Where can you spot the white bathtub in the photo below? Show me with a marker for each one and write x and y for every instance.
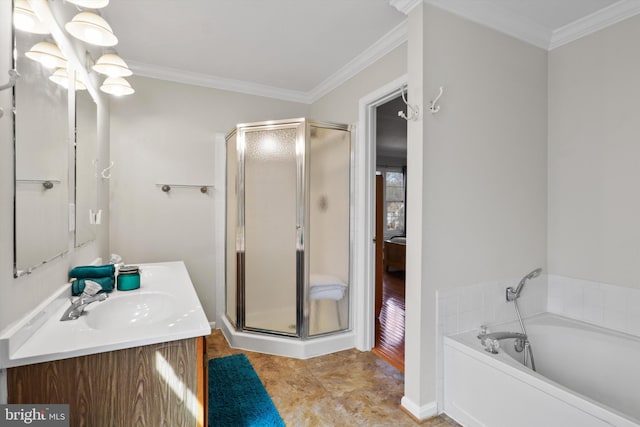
(586, 376)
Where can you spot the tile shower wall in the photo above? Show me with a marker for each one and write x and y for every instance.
(609, 306)
(466, 308)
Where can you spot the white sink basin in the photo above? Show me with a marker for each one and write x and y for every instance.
(132, 310)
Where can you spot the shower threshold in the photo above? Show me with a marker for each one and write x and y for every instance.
(286, 346)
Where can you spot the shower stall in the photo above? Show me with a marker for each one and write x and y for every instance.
(288, 236)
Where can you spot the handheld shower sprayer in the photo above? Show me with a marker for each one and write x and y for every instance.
(512, 294)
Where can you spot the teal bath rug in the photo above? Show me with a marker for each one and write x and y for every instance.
(237, 397)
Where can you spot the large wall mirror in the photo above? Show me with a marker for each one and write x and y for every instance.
(86, 167)
(41, 143)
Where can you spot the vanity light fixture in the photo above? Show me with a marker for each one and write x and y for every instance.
(90, 4)
(110, 64)
(48, 54)
(116, 86)
(91, 28)
(25, 19)
(61, 77)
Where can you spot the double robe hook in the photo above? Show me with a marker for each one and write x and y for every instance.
(413, 111)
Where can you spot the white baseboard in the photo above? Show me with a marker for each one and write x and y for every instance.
(419, 412)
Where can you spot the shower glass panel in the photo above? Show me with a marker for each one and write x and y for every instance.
(329, 234)
(271, 189)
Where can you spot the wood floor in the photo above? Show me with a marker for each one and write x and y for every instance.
(390, 324)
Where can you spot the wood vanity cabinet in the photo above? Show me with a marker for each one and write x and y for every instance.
(153, 385)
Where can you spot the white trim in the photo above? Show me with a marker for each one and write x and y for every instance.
(219, 230)
(420, 412)
(597, 21)
(364, 261)
(373, 53)
(205, 80)
(405, 6)
(493, 16)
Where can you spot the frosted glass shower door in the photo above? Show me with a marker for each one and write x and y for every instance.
(271, 233)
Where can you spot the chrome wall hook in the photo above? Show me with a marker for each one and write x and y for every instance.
(433, 107)
(413, 111)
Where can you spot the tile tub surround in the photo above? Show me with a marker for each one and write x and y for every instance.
(41, 336)
(601, 304)
(466, 308)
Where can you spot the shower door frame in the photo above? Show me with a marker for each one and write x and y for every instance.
(302, 131)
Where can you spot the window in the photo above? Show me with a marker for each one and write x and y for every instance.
(394, 201)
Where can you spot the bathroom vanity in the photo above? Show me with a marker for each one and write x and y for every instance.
(136, 358)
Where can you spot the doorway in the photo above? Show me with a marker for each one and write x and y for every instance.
(390, 231)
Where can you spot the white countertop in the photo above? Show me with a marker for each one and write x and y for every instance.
(165, 308)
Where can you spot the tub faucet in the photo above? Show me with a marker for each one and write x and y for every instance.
(89, 295)
(498, 336)
(491, 341)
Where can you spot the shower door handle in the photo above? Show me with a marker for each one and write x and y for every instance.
(299, 237)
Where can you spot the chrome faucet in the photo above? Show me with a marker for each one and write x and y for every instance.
(89, 295)
(490, 340)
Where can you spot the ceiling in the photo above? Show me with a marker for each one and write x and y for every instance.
(301, 49)
(291, 45)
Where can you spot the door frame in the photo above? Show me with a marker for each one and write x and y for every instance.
(364, 248)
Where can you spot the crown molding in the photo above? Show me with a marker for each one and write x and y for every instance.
(493, 16)
(405, 6)
(597, 21)
(383, 46)
(373, 53)
(222, 83)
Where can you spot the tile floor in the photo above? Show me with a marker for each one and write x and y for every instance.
(349, 388)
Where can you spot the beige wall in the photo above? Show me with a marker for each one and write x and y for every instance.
(484, 170)
(166, 132)
(341, 104)
(594, 156)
